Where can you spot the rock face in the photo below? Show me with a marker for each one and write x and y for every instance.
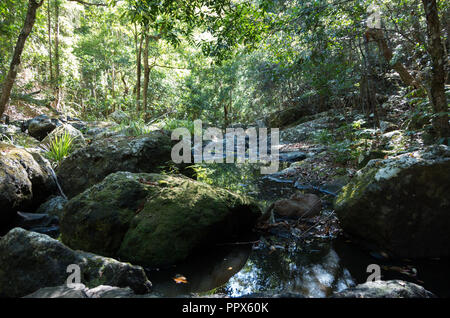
(385, 289)
(401, 204)
(41, 126)
(25, 181)
(30, 261)
(152, 219)
(76, 135)
(89, 165)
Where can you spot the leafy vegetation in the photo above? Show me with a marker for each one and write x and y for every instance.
(58, 147)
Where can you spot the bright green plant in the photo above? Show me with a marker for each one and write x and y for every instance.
(59, 147)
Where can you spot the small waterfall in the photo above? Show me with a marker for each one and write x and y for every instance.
(55, 178)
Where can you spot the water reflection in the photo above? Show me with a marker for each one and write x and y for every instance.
(314, 273)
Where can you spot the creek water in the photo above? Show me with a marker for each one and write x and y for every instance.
(314, 268)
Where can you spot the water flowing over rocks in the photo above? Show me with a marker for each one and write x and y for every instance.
(91, 164)
(401, 204)
(152, 219)
(30, 261)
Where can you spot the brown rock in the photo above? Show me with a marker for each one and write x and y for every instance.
(298, 205)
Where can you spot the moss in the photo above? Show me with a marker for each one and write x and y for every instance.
(152, 219)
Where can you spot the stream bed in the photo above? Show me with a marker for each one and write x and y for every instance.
(312, 267)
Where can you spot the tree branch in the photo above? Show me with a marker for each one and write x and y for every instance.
(89, 3)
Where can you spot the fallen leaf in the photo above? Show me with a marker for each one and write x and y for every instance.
(180, 279)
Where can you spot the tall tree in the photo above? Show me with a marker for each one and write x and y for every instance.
(437, 85)
(30, 19)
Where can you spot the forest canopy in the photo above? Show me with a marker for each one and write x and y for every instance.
(228, 60)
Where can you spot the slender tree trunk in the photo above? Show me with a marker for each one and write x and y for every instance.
(378, 36)
(438, 58)
(146, 73)
(49, 31)
(57, 59)
(138, 67)
(30, 18)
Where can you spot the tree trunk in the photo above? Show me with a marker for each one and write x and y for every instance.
(146, 73)
(138, 68)
(57, 60)
(30, 18)
(378, 36)
(49, 31)
(436, 51)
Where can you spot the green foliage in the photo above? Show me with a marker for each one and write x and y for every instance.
(59, 147)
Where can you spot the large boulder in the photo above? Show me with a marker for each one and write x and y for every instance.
(153, 219)
(41, 126)
(385, 289)
(78, 140)
(401, 204)
(30, 261)
(26, 180)
(89, 165)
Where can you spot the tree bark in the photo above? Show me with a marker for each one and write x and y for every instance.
(49, 31)
(146, 73)
(138, 68)
(378, 36)
(438, 58)
(57, 60)
(30, 18)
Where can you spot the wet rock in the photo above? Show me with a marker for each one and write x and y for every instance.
(30, 261)
(78, 140)
(62, 291)
(41, 126)
(26, 181)
(81, 291)
(89, 165)
(385, 289)
(401, 204)
(152, 219)
(32, 220)
(299, 205)
(53, 207)
(292, 156)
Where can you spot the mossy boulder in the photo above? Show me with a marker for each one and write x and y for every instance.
(30, 261)
(154, 219)
(26, 180)
(401, 204)
(89, 165)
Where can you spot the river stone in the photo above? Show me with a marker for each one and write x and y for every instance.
(401, 204)
(385, 289)
(81, 291)
(89, 165)
(26, 180)
(153, 219)
(78, 140)
(53, 207)
(41, 126)
(30, 261)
